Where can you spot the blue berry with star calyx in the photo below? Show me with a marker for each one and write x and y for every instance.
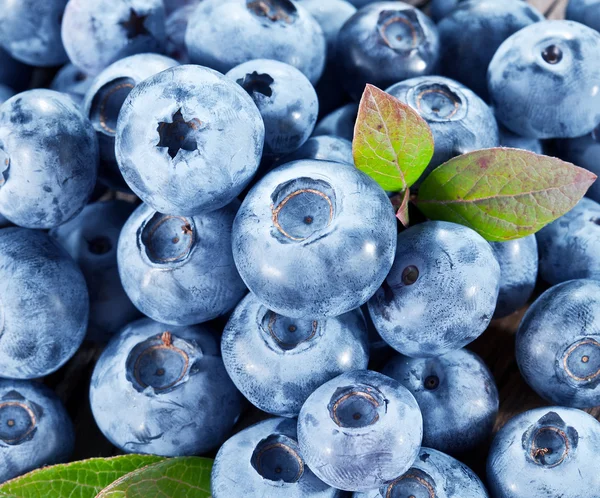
(188, 140)
(98, 33)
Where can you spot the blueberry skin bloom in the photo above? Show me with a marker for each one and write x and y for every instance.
(188, 140)
(35, 429)
(44, 304)
(518, 261)
(48, 159)
(360, 431)
(323, 148)
(265, 460)
(104, 99)
(457, 396)
(30, 31)
(179, 270)
(514, 141)
(277, 362)
(584, 11)
(434, 259)
(98, 33)
(307, 245)
(164, 391)
(558, 344)
(386, 42)
(339, 123)
(224, 33)
(549, 58)
(433, 474)
(546, 452)
(91, 239)
(459, 120)
(584, 152)
(490, 23)
(570, 246)
(285, 98)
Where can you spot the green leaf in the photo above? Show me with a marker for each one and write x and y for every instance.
(84, 479)
(392, 143)
(173, 478)
(502, 193)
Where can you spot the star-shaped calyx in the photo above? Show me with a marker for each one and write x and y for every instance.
(135, 25)
(179, 134)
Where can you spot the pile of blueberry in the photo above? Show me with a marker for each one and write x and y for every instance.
(231, 210)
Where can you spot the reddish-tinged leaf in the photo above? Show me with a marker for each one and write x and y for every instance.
(392, 143)
(502, 193)
(400, 203)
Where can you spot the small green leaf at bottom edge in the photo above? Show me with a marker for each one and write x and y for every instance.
(502, 193)
(81, 479)
(187, 477)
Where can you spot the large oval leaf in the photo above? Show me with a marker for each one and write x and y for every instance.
(503, 193)
(83, 479)
(392, 143)
(173, 478)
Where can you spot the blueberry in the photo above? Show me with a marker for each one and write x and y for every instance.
(104, 99)
(277, 362)
(224, 33)
(457, 397)
(35, 429)
(360, 431)
(4, 222)
(307, 245)
(179, 270)
(386, 42)
(44, 127)
(175, 27)
(285, 98)
(98, 33)
(432, 475)
(584, 11)
(558, 344)
(188, 140)
(30, 30)
(164, 390)
(584, 151)
(518, 261)
(44, 304)
(323, 148)
(331, 16)
(546, 452)
(265, 460)
(91, 239)
(570, 246)
(543, 80)
(435, 259)
(72, 81)
(441, 8)
(514, 141)
(489, 22)
(460, 121)
(339, 123)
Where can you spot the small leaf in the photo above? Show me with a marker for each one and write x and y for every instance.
(392, 143)
(503, 193)
(84, 479)
(173, 478)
